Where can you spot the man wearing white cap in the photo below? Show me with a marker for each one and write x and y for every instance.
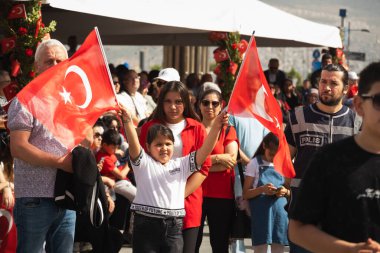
(165, 75)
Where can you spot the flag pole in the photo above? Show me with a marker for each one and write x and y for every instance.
(108, 69)
(237, 77)
(105, 60)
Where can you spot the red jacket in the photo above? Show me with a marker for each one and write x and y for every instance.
(193, 137)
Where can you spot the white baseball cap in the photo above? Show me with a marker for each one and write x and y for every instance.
(168, 74)
(314, 91)
(352, 75)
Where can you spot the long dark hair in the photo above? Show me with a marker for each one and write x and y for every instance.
(203, 95)
(271, 141)
(174, 86)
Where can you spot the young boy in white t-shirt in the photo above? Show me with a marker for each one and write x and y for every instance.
(159, 202)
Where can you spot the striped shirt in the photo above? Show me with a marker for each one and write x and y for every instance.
(309, 129)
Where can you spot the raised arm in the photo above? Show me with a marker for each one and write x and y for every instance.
(211, 138)
(130, 131)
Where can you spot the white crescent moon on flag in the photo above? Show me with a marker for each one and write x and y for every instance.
(11, 44)
(77, 70)
(259, 105)
(8, 216)
(18, 10)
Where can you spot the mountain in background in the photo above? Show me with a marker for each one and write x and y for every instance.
(361, 15)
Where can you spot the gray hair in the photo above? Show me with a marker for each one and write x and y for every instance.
(48, 43)
(210, 86)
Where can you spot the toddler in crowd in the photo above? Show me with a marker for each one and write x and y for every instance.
(111, 167)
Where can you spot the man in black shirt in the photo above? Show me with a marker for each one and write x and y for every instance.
(338, 204)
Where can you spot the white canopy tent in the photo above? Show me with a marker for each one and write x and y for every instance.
(184, 22)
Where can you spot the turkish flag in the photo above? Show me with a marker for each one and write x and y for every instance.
(17, 11)
(8, 233)
(7, 44)
(10, 91)
(69, 97)
(252, 97)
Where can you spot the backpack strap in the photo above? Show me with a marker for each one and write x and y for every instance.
(241, 172)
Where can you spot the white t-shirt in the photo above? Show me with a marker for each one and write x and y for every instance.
(252, 170)
(161, 188)
(136, 104)
(177, 130)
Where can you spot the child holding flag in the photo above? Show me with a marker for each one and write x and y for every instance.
(159, 204)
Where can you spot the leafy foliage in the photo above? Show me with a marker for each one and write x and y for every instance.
(27, 32)
(228, 57)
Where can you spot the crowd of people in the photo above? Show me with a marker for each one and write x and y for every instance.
(169, 164)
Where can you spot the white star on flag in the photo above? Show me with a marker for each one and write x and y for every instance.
(65, 95)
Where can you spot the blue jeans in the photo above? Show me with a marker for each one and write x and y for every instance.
(39, 220)
(157, 234)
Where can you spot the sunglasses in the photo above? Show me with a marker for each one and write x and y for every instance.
(160, 83)
(375, 100)
(97, 135)
(207, 103)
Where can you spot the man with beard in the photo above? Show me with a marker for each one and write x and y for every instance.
(337, 208)
(327, 121)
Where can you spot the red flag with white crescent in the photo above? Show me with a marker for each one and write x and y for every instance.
(8, 233)
(17, 11)
(7, 44)
(252, 97)
(69, 97)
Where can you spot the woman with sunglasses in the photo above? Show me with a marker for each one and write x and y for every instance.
(175, 111)
(218, 194)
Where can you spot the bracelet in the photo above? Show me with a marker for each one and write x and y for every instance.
(216, 159)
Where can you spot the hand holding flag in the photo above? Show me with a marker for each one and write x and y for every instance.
(69, 97)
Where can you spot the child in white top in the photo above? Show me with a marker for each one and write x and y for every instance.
(161, 181)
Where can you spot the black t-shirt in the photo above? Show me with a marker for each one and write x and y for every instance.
(340, 192)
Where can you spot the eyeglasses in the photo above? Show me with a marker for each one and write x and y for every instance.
(207, 103)
(97, 135)
(159, 83)
(115, 82)
(375, 100)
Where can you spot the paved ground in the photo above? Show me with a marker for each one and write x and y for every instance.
(205, 247)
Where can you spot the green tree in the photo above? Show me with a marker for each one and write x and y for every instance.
(295, 75)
